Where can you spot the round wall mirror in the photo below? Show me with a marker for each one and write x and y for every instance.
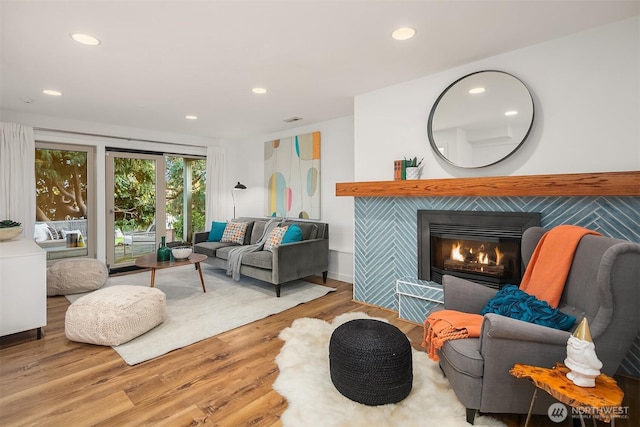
(480, 119)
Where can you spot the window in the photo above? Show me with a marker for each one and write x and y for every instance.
(65, 200)
(185, 196)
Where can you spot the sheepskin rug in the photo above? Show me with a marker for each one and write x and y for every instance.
(305, 382)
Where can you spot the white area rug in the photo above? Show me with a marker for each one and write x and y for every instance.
(313, 400)
(193, 315)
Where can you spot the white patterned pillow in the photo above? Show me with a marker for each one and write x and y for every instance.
(234, 232)
(275, 238)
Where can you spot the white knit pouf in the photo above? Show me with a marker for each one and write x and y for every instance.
(115, 315)
(73, 276)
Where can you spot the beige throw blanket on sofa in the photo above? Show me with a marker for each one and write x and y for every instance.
(235, 255)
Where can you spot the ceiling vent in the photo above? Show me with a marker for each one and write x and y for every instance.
(292, 119)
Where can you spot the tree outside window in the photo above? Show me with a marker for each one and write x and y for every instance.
(61, 185)
(175, 196)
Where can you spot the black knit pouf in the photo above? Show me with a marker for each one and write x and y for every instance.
(370, 362)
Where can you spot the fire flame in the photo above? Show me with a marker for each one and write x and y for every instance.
(481, 258)
(499, 256)
(455, 252)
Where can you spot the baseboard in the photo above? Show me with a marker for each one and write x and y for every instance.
(340, 277)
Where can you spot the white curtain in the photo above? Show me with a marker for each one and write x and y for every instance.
(217, 189)
(17, 175)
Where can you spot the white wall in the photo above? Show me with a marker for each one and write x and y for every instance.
(586, 93)
(246, 164)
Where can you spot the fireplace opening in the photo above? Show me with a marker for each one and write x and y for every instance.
(483, 247)
(496, 258)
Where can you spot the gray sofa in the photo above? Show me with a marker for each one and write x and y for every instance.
(286, 263)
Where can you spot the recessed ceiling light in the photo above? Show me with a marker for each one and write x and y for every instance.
(52, 92)
(191, 117)
(85, 39)
(476, 90)
(511, 113)
(404, 33)
(259, 90)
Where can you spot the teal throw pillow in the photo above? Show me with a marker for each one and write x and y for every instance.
(217, 229)
(517, 304)
(293, 234)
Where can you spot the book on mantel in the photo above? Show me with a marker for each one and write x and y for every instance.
(399, 170)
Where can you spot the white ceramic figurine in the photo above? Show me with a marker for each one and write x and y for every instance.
(581, 358)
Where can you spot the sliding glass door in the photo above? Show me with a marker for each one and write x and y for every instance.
(185, 197)
(150, 196)
(135, 222)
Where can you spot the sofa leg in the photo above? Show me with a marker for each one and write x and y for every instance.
(278, 290)
(471, 415)
(324, 276)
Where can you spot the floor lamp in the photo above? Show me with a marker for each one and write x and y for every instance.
(236, 188)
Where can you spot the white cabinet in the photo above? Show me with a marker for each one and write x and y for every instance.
(23, 286)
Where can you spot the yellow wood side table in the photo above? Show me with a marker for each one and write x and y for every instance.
(599, 402)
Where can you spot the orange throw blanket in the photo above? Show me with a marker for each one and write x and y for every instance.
(544, 278)
(444, 325)
(551, 261)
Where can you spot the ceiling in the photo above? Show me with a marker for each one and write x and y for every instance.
(162, 60)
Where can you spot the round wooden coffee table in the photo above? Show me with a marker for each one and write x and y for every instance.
(150, 261)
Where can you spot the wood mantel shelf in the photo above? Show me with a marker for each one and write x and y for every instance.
(580, 184)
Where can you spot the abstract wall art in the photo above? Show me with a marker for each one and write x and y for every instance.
(292, 176)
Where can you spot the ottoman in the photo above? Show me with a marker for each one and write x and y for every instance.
(73, 276)
(115, 315)
(370, 362)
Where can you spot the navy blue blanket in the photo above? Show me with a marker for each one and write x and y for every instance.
(516, 304)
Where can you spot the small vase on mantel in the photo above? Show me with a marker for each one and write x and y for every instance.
(164, 253)
(412, 168)
(413, 173)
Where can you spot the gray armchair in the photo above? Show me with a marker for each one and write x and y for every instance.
(603, 285)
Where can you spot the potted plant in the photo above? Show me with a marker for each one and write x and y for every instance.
(412, 167)
(9, 229)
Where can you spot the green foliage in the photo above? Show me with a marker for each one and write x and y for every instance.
(135, 188)
(61, 184)
(7, 223)
(412, 163)
(61, 189)
(134, 193)
(197, 222)
(175, 193)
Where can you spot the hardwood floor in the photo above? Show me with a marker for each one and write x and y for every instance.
(222, 381)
